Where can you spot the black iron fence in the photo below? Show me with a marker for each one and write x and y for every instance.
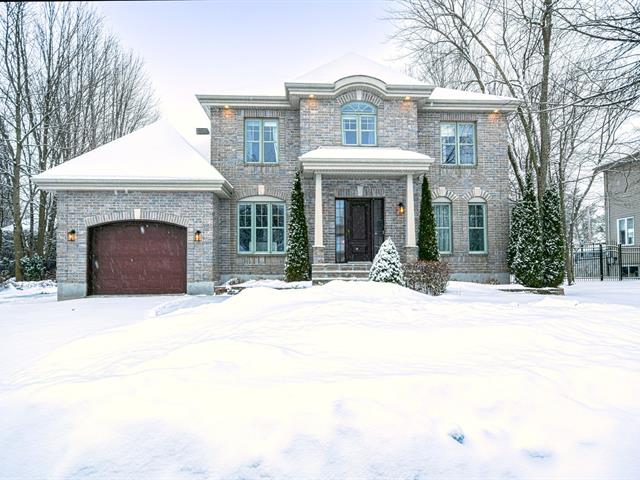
(606, 262)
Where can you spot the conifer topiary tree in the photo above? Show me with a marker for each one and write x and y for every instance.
(525, 251)
(427, 243)
(552, 237)
(297, 265)
(386, 265)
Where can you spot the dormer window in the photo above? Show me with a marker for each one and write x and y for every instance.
(358, 124)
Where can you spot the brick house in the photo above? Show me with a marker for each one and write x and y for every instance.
(142, 214)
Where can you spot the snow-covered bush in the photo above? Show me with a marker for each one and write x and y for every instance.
(427, 277)
(33, 267)
(387, 266)
(297, 266)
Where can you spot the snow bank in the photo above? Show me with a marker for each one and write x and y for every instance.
(347, 380)
(11, 288)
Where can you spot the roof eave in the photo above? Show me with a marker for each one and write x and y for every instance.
(220, 187)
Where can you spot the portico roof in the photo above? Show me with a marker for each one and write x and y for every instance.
(155, 157)
(364, 161)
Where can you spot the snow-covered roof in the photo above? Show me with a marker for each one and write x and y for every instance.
(353, 64)
(377, 161)
(353, 71)
(155, 157)
(450, 98)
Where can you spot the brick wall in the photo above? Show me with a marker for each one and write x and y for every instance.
(318, 123)
(80, 210)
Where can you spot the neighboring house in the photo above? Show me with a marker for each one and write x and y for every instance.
(147, 214)
(622, 205)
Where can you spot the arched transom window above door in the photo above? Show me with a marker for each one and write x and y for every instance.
(359, 124)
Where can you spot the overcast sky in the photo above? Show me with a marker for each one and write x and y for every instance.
(223, 46)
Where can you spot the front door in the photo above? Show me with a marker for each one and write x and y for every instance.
(359, 244)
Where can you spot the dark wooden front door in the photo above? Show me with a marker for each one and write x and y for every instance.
(137, 258)
(359, 244)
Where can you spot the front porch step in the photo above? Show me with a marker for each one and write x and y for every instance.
(353, 271)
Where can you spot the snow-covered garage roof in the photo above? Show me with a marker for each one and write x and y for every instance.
(155, 157)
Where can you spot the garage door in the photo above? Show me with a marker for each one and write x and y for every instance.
(137, 258)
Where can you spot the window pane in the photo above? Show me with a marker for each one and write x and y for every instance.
(448, 154)
(448, 133)
(350, 138)
(270, 130)
(252, 152)
(262, 239)
(358, 107)
(244, 215)
(367, 138)
(467, 155)
(277, 215)
(277, 240)
(476, 240)
(465, 133)
(444, 239)
(270, 155)
(262, 215)
(244, 240)
(367, 122)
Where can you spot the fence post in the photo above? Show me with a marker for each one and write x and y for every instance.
(620, 260)
(601, 265)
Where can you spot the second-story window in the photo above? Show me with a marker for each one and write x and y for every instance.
(261, 140)
(458, 143)
(358, 124)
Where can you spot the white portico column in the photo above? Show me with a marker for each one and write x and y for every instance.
(411, 249)
(318, 242)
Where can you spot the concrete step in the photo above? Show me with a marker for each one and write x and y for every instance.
(325, 272)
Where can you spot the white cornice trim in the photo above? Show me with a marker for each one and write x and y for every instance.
(389, 167)
(222, 188)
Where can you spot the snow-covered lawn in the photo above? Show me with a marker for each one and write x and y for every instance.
(347, 380)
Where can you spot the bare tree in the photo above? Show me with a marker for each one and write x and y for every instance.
(530, 50)
(65, 87)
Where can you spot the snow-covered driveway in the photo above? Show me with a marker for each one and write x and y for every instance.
(348, 380)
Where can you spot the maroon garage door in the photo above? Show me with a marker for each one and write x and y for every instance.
(137, 257)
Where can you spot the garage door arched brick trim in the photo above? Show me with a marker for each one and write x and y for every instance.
(136, 214)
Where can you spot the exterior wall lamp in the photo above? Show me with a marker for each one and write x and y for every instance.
(400, 209)
(71, 236)
(197, 237)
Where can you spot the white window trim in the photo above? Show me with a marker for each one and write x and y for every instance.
(457, 145)
(486, 229)
(626, 229)
(261, 141)
(358, 118)
(252, 245)
(446, 201)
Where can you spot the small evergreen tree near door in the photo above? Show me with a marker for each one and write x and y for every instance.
(297, 265)
(427, 242)
(552, 237)
(386, 265)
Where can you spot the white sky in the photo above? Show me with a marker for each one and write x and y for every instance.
(221, 46)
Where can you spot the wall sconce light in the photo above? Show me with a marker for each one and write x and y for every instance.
(197, 237)
(400, 209)
(71, 236)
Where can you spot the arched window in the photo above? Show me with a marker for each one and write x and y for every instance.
(358, 124)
